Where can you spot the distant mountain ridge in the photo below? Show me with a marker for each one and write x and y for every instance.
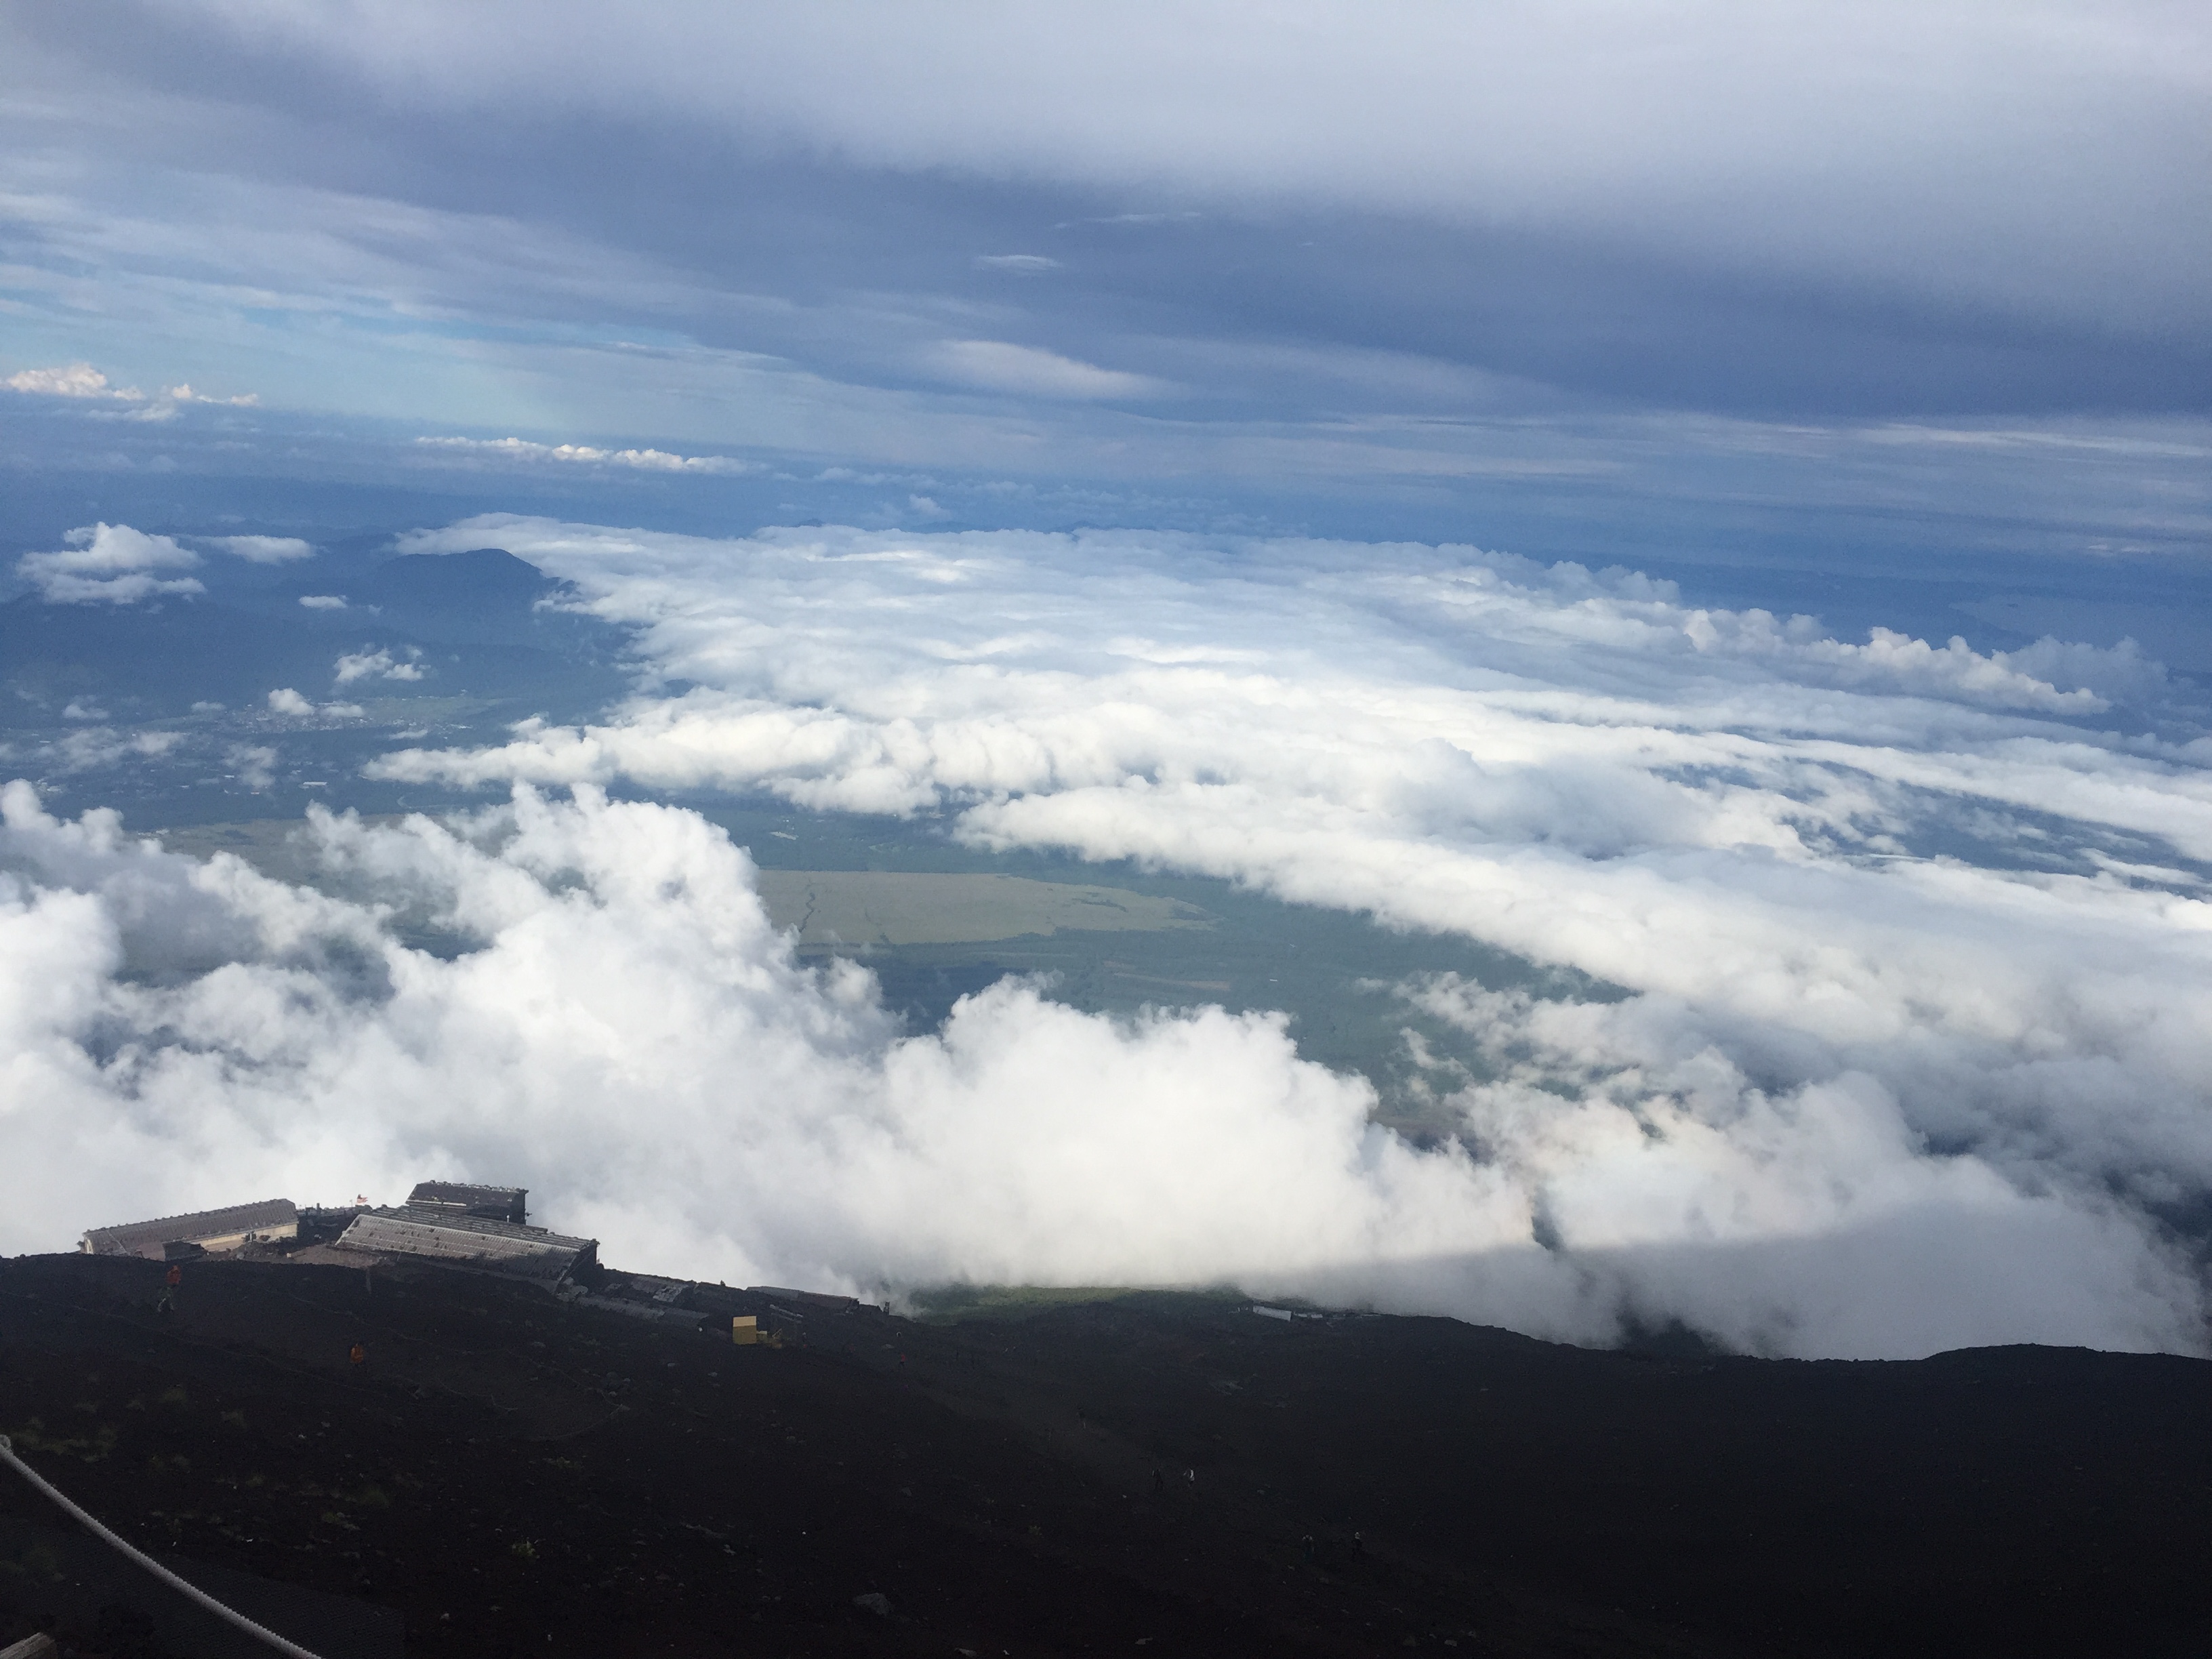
(483, 596)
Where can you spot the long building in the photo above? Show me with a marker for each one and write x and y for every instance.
(466, 1198)
(452, 1238)
(204, 1231)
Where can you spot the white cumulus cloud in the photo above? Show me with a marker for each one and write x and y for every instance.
(379, 664)
(624, 1031)
(254, 764)
(72, 380)
(82, 381)
(1914, 939)
(111, 564)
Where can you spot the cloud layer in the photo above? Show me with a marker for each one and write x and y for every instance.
(1148, 241)
(1884, 140)
(1911, 943)
(1914, 900)
(614, 1022)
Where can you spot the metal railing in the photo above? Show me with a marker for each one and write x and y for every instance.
(192, 1592)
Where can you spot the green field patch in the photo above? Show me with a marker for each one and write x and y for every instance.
(829, 909)
(947, 1304)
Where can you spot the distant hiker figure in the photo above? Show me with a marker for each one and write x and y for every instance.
(166, 1302)
(359, 1355)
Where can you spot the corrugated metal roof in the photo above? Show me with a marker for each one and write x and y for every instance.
(132, 1236)
(805, 1298)
(490, 1226)
(467, 1240)
(500, 1202)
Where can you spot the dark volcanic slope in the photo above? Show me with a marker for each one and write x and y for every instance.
(515, 1476)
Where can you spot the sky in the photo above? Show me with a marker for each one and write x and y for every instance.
(1479, 263)
(1712, 498)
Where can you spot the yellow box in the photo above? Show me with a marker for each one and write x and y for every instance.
(744, 1329)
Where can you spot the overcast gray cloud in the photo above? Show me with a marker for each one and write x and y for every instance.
(1914, 145)
(852, 231)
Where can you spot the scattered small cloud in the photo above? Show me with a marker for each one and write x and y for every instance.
(1189, 215)
(378, 665)
(92, 748)
(254, 764)
(871, 480)
(261, 549)
(82, 381)
(287, 701)
(639, 460)
(324, 601)
(109, 564)
(184, 394)
(1030, 371)
(79, 710)
(1017, 265)
(206, 708)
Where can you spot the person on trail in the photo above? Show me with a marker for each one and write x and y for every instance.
(359, 1356)
(166, 1302)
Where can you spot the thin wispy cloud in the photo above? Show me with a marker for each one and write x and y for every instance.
(1001, 366)
(263, 549)
(521, 450)
(1650, 207)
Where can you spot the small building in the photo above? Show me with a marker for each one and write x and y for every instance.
(321, 1224)
(209, 1231)
(452, 1238)
(464, 1198)
(819, 1301)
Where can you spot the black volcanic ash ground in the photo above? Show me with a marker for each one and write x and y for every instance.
(512, 1476)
